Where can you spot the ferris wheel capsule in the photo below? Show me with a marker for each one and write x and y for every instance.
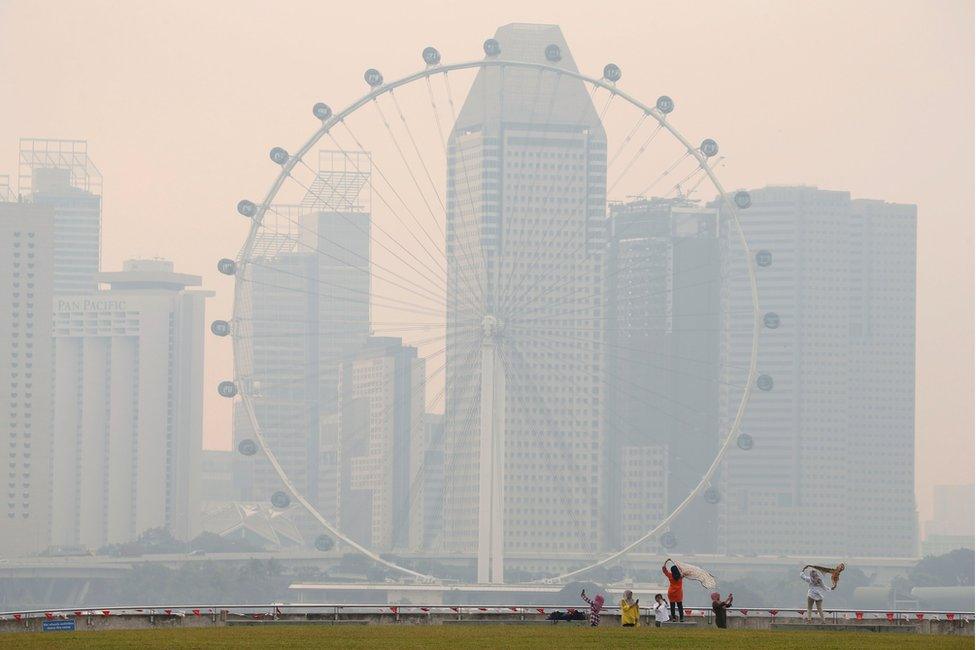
(668, 540)
(220, 327)
(492, 47)
(324, 543)
(553, 53)
(280, 500)
(712, 495)
(247, 208)
(227, 389)
(764, 258)
(665, 104)
(322, 111)
(431, 55)
(744, 442)
(742, 199)
(771, 320)
(247, 447)
(227, 266)
(279, 155)
(764, 382)
(612, 73)
(708, 147)
(373, 78)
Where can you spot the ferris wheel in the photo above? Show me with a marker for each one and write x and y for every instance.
(513, 275)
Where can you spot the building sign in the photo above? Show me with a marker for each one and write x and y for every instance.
(90, 304)
(66, 625)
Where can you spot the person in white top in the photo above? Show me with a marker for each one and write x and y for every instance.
(661, 613)
(815, 594)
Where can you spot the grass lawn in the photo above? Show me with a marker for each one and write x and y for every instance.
(488, 636)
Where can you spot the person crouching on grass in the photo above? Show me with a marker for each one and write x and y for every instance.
(596, 606)
(661, 614)
(629, 610)
(719, 607)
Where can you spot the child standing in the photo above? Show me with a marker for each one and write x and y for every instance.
(596, 606)
(675, 588)
(660, 611)
(629, 610)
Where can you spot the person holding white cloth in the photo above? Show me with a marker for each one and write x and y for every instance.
(816, 592)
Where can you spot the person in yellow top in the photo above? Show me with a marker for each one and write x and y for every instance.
(629, 610)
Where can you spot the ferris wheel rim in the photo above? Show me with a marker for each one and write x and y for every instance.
(494, 62)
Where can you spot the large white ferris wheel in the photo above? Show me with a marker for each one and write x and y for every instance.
(454, 220)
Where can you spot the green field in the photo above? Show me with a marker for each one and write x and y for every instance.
(488, 636)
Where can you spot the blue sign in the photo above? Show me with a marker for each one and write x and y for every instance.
(64, 625)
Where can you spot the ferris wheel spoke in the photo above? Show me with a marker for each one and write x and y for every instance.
(635, 157)
(369, 293)
(607, 347)
(664, 174)
(420, 157)
(367, 266)
(435, 274)
(630, 135)
(437, 260)
(602, 304)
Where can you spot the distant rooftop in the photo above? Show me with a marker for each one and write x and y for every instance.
(148, 274)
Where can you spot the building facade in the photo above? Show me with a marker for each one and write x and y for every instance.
(26, 286)
(663, 288)
(381, 451)
(128, 407)
(308, 312)
(59, 174)
(526, 203)
(835, 419)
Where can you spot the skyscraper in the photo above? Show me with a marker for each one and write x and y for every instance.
(307, 289)
(128, 407)
(381, 445)
(26, 278)
(526, 193)
(833, 419)
(663, 287)
(59, 174)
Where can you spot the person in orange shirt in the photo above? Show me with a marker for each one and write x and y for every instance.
(675, 589)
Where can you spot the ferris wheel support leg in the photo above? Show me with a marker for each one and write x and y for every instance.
(491, 495)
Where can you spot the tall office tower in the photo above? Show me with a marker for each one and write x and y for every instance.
(26, 275)
(663, 288)
(432, 483)
(59, 174)
(381, 435)
(836, 421)
(526, 189)
(952, 522)
(308, 295)
(128, 406)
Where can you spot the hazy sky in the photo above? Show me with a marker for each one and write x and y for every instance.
(180, 102)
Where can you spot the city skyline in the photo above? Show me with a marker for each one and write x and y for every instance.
(132, 217)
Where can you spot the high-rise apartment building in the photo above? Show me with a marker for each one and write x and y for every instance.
(59, 174)
(381, 452)
(128, 406)
(833, 420)
(526, 188)
(26, 279)
(663, 288)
